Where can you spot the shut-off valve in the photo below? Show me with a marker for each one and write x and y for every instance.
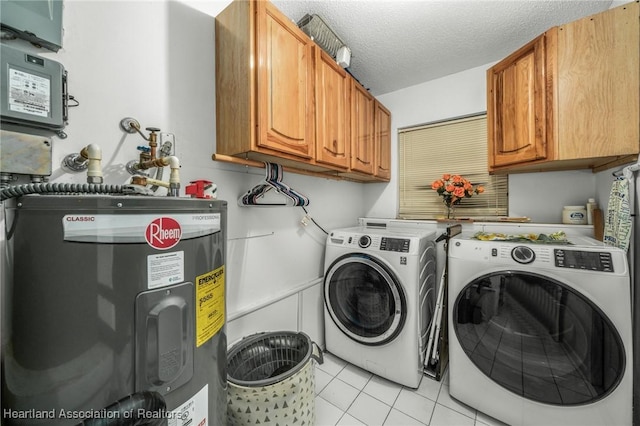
(148, 158)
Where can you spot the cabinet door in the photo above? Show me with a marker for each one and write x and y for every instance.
(362, 140)
(518, 106)
(332, 111)
(598, 85)
(382, 123)
(285, 84)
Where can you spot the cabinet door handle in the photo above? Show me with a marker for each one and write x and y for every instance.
(514, 150)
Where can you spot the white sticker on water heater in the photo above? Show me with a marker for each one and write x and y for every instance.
(194, 412)
(165, 269)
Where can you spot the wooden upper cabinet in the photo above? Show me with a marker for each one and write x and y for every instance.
(285, 84)
(599, 86)
(570, 98)
(264, 85)
(517, 105)
(382, 132)
(333, 136)
(281, 98)
(362, 130)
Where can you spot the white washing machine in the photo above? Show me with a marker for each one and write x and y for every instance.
(379, 295)
(541, 334)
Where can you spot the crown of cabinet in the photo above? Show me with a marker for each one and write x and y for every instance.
(568, 99)
(281, 98)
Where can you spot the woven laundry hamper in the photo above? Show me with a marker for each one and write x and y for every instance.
(271, 380)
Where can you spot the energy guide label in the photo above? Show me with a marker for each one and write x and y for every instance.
(209, 304)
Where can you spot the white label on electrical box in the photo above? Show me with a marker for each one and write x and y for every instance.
(165, 269)
(194, 412)
(29, 93)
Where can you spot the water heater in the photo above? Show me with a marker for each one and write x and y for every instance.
(109, 299)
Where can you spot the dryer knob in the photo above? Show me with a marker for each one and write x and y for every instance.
(364, 241)
(523, 254)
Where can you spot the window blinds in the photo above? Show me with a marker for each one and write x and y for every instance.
(456, 146)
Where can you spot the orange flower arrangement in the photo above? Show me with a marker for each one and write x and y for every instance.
(453, 188)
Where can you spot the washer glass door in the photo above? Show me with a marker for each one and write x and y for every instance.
(538, 338)
(364, 299)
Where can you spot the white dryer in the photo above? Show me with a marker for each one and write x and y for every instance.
(541, 334)
(379, 295)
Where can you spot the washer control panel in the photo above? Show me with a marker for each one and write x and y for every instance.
(589, 260)
(395, 244)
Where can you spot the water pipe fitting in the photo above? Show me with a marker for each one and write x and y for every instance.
(89, 158)
(131, 125)
(144, 181)
(75, 163)
(174, 177)
(94, 169)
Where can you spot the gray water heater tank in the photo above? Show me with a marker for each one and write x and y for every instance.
(107, 298)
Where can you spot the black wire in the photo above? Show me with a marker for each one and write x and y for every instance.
(72, 99)
(313, 220)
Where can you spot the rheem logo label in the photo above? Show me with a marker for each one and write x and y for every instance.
(163, 233)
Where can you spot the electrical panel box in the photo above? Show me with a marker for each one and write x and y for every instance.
(37, 21)
(32, 91)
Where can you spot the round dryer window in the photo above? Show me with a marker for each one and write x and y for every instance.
(365, 299)
(539, 338)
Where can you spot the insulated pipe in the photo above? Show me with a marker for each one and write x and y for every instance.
(94, 154)
(174, 177)
(174, 165)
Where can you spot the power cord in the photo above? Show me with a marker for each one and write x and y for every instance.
(305, 220)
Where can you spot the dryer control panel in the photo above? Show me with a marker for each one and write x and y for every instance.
(589, 260)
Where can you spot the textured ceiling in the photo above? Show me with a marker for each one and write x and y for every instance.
(397, 44)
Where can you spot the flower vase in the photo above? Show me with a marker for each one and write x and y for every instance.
(450, 211)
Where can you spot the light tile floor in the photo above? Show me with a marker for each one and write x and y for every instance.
(348, 395)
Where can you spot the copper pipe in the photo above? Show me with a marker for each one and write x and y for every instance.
(154, 162)
(153, 144)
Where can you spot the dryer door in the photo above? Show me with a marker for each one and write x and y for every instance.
(365, 299)
(539, 338)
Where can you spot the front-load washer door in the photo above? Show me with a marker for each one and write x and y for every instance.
(538, 338)
(364, 299)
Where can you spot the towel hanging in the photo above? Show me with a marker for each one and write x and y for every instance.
(618, 221)
(273, 180)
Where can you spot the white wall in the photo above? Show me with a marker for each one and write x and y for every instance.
(539, 196)
(155, 61)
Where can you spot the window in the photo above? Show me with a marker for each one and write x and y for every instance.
(457, 146)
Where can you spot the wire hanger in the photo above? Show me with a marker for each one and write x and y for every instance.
(273, 180)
